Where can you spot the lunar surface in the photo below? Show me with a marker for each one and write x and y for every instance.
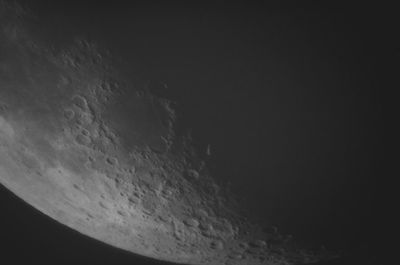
(90, 146)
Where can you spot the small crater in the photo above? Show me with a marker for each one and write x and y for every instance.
(258, 244)
(121, 213)
(252, 251)
(243, 245)
(193, 174)
(64, 81)
(3, 107)
(132, 170)
(133, 201)
(69, 114)
(102, 205)
(270, 230)
(136, 194)
(84, 119)
(192, 222)
(287, 238)
(218, 245)
(206, 227)
(85, 132)
(90, 216)
(201, 213)
(112, 161)
(80, 102)
(149, 204)
(140, 93)
(77, 187)
(83, 140)
(164, 218)
(197, 252)
(278, 250)
(88, 165)
(167, 193)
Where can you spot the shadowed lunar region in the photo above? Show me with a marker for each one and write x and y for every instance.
(191, 134)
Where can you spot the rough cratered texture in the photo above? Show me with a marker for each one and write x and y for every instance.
(96, 151)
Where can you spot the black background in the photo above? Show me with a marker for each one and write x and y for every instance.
(289, 98)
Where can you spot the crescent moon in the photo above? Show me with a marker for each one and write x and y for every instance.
(92, 148)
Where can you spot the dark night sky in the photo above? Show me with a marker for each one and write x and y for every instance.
(290, 100)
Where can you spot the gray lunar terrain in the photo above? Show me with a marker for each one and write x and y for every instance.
(91, 147)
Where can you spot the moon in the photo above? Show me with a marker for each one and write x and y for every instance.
(92, 146)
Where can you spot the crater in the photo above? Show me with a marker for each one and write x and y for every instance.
(149, 204)
(218, 245)
(69, 114)
(80, 102)
(112, 161)
(191, 222)
(192, 174)
(85, 132)
(85, 119)
(83, 139)
(258, 244)
(77, 187)
(6, 128)
(103, 205)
